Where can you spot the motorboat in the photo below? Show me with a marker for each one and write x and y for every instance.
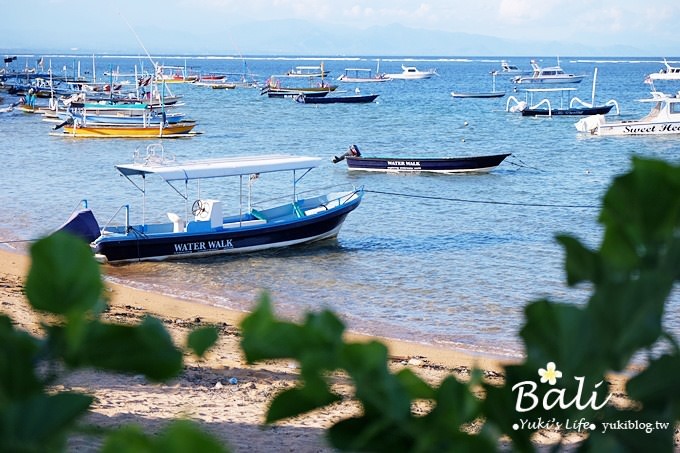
(412, 73)
(663, 119)
(448, 165)
(203, 229)
(511, 69)
(667, 73)
(546, 75)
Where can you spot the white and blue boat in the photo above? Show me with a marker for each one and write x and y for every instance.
(203, 229)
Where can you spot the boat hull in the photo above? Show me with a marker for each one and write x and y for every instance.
(126, 131)
(489, 94)
(474, 164)
(321, 225)
(598, 110)
(305, 99)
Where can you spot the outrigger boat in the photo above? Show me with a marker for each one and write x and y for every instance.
(203, 229)
(448, 165)
(161, 130)
(352, 99)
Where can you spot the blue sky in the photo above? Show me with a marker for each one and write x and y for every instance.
(211, 25)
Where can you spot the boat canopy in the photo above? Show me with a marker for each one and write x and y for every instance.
(217, 168)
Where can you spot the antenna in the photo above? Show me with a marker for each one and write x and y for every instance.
(138, 40)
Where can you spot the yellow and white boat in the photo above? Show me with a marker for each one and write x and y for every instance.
(182, 129)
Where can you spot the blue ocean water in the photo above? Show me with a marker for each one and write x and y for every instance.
(449, 260)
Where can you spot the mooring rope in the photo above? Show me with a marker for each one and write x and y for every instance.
(464, 200)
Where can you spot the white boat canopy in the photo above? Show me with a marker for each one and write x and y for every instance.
(218, 168)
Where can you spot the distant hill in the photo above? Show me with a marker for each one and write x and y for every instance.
(297, 37)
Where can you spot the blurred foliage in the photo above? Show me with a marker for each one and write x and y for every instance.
(632, 274)
(65, 286)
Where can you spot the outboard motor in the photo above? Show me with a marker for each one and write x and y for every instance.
(353, 151)
(83, 225)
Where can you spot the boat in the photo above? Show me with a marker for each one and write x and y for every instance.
(667, 73)
(551, 74)
(663, 119)
(511, 69)
(545, 107)
(362, 75)
(274, 89)
(308, 71)
(481, 94)
(161, 130)
(352, 99)
(412, 73)
(203, 230)
(448, 165)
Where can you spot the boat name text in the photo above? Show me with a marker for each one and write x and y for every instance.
(190, 247)
(664, 128)
(403, 163)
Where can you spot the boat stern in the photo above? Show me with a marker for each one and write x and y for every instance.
(590, 124)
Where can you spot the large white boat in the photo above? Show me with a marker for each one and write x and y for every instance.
(411, 73)
(667, 73)
(549, 74)
(663, 119)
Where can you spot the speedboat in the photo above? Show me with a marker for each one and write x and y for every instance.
(663, 119)
(203, 229)
(411, 73)
(667, 73)
(551, 74)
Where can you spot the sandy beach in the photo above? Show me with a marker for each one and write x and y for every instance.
(203, 393)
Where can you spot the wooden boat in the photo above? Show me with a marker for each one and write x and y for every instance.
(545, 107)
(308, 71)
(663, 119)
(412, 73)
(352, 99)
(482, 94)
(448, 165)
(182, 129)
(548, 75)
(204, 230)
(361, 75)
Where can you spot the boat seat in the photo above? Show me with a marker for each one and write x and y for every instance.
(244, 223)
(177, 222)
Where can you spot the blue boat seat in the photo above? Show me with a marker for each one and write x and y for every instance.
(198, 226)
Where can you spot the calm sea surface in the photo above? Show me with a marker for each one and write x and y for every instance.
(453, 270)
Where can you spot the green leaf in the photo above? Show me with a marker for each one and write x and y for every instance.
(41, 422)
(293, 402)
(178, 437)
(64, 277)
(18, 355)
(201, 339)
(581, 263)
(146, 348)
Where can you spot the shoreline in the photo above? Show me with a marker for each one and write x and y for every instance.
(203, 392)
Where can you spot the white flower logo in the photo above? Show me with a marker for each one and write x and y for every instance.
(550, 374)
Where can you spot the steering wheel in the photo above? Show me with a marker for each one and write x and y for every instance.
(197, 207)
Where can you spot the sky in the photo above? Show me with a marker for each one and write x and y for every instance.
(197, 25)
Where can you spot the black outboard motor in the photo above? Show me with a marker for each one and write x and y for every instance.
(353, 151)
(83, 225)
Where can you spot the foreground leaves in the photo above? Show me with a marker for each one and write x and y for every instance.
(632, 275)
(64, 284)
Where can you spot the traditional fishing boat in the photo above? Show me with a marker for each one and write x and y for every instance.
(352, 99)
(362, 75)
(274, 89)
(663, 119)
(308, 71)
(481, 94)
(204, 230)
(448, 165)
(547, 107)
(161, 130)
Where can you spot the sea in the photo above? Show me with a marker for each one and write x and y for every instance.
(446, 260)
